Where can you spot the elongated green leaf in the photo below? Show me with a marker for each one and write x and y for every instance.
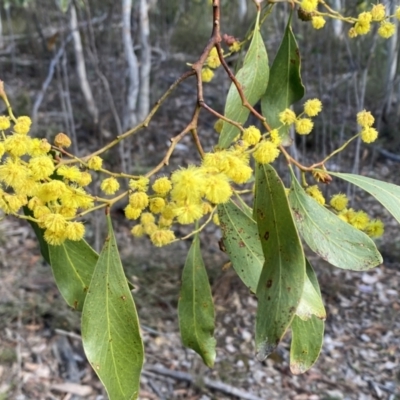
(311, 300)
(282, 277)
(333, 239)
(386, 193)
(242, 243)
(307, 339)
(110, 326)
(285, 86)
(253, 77)
(196, 307)
(73, 264)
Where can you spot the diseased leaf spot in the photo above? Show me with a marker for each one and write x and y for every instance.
(241, 243)
(269, 283)
(266, 235)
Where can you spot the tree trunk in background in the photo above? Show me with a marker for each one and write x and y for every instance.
(337, 24)
(130, 116)
(242, 9)
(392, 56)
(145, 62)
(81, 68)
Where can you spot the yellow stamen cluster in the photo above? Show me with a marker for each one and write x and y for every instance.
(366, 120)
(360, 220)
(316, 194)
(378, 15)
(309, 5)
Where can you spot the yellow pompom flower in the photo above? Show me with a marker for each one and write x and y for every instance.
(162, 186)
(312, 107)
(95, 163)
(132, 212)
(207, 74)
(165, 223)
(252, 135)
(4, 122)
(339, 201)
(157, 205)
(51, 191)
(38, 147)
(12, 203)
(21, 129)
(318, 22)
(287, 117)
(85, 180)
(369, 134)
(62, 140)
(346, 214)
(234, 47)
(141, 184)
(188, 213)
(365, 118)
(218, 160)
(150, 228)
(352, 33)
(217, 189)
(139, 200)
(397, 13)
(316, 194)
(54, 222)
(12, 172)
(75, 231)
(386, 29)
(378, 12)
(162, 237)
(147, 218)
(266, 152)
(17, 145)
(241, 174)
(2, 149)
(22, 125)
(67, 212)
(374, 228)
(54, 238)
(309, 5)
(41, 167)
(169, 211)
(363, 24)
(275, 137)
(304, 126)
(39, 212)
(76, 198)
(72, 174)
(24, 120)
(137, 230)
(359, 220)
(109, 185)
(188, 184)
(213, 60)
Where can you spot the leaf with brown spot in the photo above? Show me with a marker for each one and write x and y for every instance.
(242, 243)
(284, 265)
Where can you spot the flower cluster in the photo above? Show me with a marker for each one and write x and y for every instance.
(359, 219)
(211, 63)
(378, 15)
(365, 119)
(303, 124)
(361, 25)
(31, 177)
(188, 195)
